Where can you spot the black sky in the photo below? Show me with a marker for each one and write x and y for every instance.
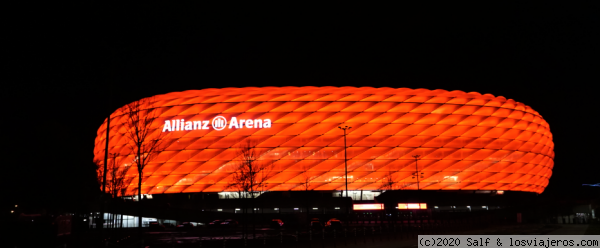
(68, 66)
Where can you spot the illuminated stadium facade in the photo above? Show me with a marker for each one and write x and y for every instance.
(464, 141)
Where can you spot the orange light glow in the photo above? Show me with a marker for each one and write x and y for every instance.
(412, 205)
(375, 206)
(466, 141)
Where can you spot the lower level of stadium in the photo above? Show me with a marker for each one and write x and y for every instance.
(295, 207)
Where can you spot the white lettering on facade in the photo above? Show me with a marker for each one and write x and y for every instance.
(218, 123)
(167, 126)
(258, 123)
(197, 125)
(233, 123)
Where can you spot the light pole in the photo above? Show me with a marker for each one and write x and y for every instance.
(417, 169)
(345, 157)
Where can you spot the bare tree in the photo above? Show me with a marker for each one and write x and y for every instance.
(250, 174)
(99, 172)
(116, 182)
(102, 182)
(144, 141)
(305, 180)
(388, 181)
(251, 170)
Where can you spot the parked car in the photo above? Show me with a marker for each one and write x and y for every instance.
(229, 223)
(214, 224)
(185, 226)
(155, 226)
(276, 223)
(333, 223)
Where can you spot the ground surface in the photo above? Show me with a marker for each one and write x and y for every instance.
(385, 240)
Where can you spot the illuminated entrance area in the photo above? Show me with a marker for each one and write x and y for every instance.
(125, 221)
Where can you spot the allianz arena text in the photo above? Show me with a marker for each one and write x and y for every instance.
(452, 139)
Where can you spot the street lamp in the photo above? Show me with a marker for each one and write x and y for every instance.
(417, 170)
(345, 157)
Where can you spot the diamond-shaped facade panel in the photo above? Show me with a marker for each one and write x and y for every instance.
(454, 140)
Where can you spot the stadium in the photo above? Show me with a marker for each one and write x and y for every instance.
(394, 139)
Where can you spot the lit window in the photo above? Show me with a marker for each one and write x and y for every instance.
(296, 208)
(337, 207)
(315, 208)
(219, 210)
(412, 205)
(276, 209)
(376, 206)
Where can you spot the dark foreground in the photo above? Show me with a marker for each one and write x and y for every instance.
(352, 236)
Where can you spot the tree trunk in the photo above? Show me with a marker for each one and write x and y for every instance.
(307, 208)
(139, 201)
(122, 206)
(244, 214)
(253, 217)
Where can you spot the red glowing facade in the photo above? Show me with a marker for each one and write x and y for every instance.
(465, 141)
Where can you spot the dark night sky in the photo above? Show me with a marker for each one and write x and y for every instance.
(63, 63)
